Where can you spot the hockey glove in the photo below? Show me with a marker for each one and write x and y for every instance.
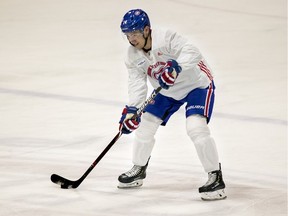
(127, 124)
(168, 76)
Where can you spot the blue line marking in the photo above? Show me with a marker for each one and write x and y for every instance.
(120, 104)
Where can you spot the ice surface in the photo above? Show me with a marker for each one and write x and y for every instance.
(63, 86)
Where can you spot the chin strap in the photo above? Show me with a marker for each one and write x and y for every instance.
(146, 39)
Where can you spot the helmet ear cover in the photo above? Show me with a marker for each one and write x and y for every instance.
(134, 20)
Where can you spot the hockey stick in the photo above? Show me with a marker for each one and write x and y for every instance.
(67, 184)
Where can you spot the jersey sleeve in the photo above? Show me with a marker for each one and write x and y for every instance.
(188, 55)
(137, 82)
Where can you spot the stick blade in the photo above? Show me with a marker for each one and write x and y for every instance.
(63, 182)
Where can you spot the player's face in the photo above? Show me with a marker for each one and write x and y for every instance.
(136, 39)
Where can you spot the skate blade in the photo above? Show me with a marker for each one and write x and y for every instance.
(133, 184)
(215, 195)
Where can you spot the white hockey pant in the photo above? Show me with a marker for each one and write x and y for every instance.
(199, 133)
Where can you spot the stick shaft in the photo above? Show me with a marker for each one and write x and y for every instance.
(66, 183)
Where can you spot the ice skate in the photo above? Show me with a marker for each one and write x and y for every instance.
(133, 178)
(214, 187)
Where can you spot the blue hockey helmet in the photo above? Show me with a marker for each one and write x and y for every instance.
(134, 20)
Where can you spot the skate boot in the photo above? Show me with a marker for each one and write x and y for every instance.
(133, 178)
(214, 187)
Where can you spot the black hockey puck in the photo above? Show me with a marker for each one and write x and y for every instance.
(64, 186)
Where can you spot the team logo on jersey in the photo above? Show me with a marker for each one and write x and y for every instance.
(156, 69)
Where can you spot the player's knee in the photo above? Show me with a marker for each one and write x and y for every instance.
(196, 127)
(149, 125)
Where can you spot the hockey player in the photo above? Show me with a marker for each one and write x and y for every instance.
(167, 59)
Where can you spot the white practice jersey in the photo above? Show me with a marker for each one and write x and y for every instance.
(166, 45)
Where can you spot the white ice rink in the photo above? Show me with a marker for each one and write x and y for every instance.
(63, 87)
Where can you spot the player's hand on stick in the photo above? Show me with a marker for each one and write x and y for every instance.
(168, 76)
(127, 123)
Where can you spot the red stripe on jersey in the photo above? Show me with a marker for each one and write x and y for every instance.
(205, 69)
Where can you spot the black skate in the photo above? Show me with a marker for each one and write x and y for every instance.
(214, 187)
(133, 178)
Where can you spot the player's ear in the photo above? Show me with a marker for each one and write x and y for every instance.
(147, 31)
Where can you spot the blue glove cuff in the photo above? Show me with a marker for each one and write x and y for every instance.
(128, 110)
